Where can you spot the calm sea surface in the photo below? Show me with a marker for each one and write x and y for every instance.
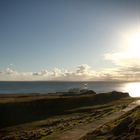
(46, 87)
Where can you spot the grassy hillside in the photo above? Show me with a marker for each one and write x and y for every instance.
(40, 108)
(127, 127)
(36, 116)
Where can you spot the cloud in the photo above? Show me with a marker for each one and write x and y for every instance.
(124, 59)
(122, 73)
(82, 72)
(85, 70)
(41, 73)
(56, 72)
(130, 73)
(10, 71)
(127, 65)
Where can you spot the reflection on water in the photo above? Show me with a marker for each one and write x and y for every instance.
(133, 89)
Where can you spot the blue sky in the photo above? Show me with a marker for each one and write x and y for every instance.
(38, 35)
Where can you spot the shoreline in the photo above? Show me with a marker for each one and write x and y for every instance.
(37, 116)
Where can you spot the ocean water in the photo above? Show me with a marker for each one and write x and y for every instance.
(133, 88)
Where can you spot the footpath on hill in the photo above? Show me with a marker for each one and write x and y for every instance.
(80, 131)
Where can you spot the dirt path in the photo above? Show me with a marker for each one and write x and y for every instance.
(78, 132)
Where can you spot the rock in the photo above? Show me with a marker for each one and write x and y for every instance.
(137, 131)
(137, 138)
(123, 127)
(87, 92)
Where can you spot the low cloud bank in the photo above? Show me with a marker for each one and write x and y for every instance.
(80, 73)
(126, 67)
(124, 59)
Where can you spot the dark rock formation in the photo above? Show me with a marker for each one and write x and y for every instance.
(122, 127)
(87, 92)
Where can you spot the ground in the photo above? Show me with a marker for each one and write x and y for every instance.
(45, 117)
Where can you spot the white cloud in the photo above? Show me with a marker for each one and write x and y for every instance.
(127, 65)
(81, 72)
(41, 73)
(124, 59)
(122, 71)
(56, 72)
(10, 71)
(83, 69)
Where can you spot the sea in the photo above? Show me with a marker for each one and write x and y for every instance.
(44, 87)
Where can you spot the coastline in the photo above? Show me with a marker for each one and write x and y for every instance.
(40, 113)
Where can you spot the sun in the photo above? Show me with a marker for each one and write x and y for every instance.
(131, 41)
(134, 42)
(133, 89)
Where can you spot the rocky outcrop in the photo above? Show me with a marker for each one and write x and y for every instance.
(122, 127)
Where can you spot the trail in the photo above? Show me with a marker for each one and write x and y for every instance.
(80, 131)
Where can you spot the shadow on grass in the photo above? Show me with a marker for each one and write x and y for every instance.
(22, 112)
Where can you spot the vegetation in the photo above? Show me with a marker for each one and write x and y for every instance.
(127, 127)
(42, 116)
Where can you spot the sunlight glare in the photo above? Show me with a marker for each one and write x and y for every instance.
(133, 89)
(135, 42)
(132, 42)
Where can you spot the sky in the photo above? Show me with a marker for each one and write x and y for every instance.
(69, 40)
